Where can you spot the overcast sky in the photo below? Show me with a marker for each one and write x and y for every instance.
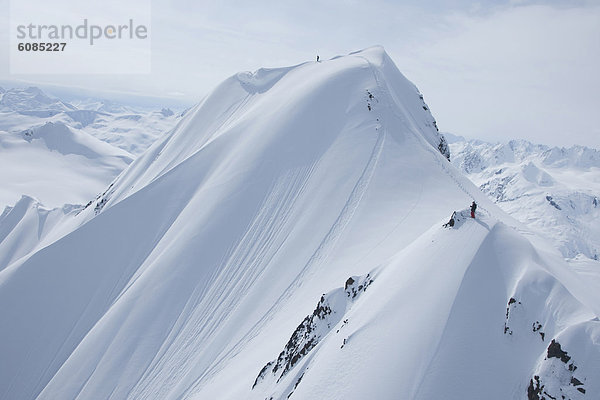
(493, 70)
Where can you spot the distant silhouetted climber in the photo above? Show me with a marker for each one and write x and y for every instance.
(317, 58)
(473, 208)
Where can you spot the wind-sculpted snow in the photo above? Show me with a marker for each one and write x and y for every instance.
(509, 280)
(196, 265)
(262, 80)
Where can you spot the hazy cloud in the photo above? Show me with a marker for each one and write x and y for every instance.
(493, 70)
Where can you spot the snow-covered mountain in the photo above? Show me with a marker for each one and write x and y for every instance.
(132, 129)
(31, 101)
(59, 153)
(286, 241)
(555, 190)
(27, 216)
(56, 165)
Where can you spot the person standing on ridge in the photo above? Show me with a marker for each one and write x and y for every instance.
(473, 208)
(317, 58)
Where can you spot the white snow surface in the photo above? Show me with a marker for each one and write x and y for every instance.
(196, 266)
(553, 190)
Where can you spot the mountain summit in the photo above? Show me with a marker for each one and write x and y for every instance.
(31, 100)
(286, 241)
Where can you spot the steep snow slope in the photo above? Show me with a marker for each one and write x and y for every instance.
(193, 270)
(427, 328)
(554, 190)
(56, 165)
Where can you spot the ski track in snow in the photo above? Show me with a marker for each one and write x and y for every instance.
(414, 130)
(260, 243)
(384, 127)
(328, 242)
(229, 120)
(323, 250)
(318, 256)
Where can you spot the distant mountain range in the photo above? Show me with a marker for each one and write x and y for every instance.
(554, 190)
(59, 152)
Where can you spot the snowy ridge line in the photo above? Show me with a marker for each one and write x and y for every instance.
(234, 232)
(541, 309)
(142, 256)
(347, 211)
(132, 277)
(400, 221)
(239, 274)
(415, 130)
(15, 219)
(328, 240)
(228, 121)
(326, 243)
(234, 350)
(266, 213)
(384, 126)
(332, 307)
(161, 148)
(470, 234)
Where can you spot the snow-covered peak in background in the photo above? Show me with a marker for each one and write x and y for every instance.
(19, 221)
(240, 105)
(166, 112)
(555, 190)
(56, 165)
(476, 155)
(31, 100)
(102, 105)
(58, 153)
(130, 128)
(575, 156)
(196, 273)
(59, 137)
